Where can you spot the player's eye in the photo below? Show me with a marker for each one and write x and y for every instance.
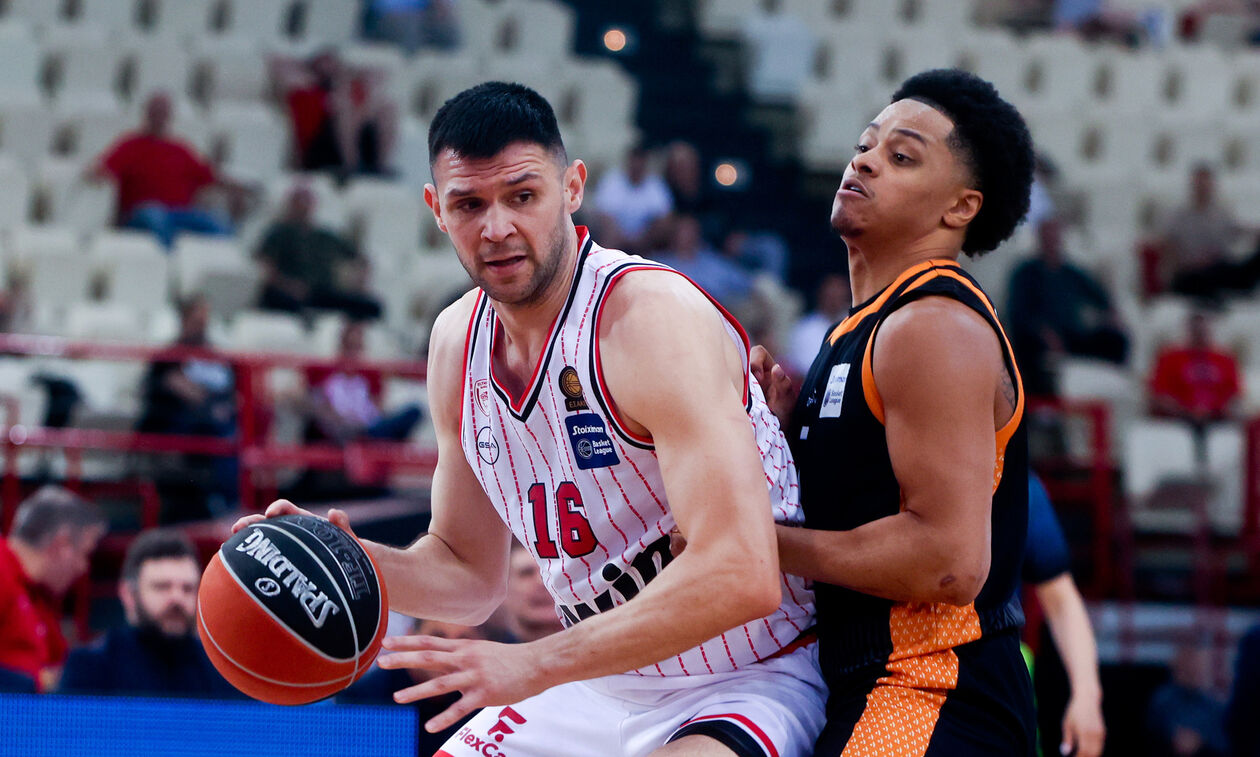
(860, 148)
(901, 157)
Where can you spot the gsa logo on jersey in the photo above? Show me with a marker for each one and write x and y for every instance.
(488, 446)
(591, 446)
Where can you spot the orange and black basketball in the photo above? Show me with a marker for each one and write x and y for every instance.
(292, 610)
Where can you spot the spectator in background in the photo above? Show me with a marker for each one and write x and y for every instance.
(629, 199)
(17, 312)
(1244, 699)
(831, 304)
(1196, 381)
(345, 401)
(412, 24)
(308, 266)
(692, 194)
(159, 179)
(157, 652)
(1184, 719)
(1047, 568)
(1195, 242)
(690, 254)
(528, 612)
(53, 535)
(194, 394)
(343, 120)
(378, 685)
(758, 252)
(1056, 309)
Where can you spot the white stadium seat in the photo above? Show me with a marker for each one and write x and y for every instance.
(332, 22)
(183, 21)
(59, 280)
(263, 21)
(266, 331)
(20, 61)
(1157, 452)
(15, 199)
(70, 200)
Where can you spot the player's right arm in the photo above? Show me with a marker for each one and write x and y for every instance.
(457, 571)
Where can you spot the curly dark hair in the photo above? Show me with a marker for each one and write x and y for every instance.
(991, 139)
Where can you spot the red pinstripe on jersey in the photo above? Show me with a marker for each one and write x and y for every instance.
(515, 443)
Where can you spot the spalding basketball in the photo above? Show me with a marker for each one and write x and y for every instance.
(292, 609)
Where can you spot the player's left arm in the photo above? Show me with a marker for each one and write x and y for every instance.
(938, 368)
(672, 369)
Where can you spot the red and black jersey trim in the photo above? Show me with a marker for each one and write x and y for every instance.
(521, 408)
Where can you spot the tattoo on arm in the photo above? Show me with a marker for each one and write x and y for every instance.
(1008, 389)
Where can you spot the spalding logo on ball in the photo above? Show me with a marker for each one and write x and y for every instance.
(292, 610)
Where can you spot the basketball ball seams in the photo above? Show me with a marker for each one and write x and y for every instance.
(250, 593)
(345, 604)
(350, 609)
(339, 680)
(270, 610)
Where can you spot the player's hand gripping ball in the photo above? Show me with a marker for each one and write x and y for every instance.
(292, 609)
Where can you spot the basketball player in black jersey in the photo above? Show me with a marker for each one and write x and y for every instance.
(909, 435)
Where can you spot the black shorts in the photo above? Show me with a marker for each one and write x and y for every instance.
(888, 710)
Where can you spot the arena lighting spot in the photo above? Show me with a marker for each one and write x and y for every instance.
(615, 40)
(726, 174)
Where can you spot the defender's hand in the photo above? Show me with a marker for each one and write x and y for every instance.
(775, 383)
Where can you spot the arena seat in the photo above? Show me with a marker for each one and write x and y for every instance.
(109, 321)
(258, 330)
(1226, 446)
(386, 214)
(26, 132)
(1131, 84)
(916, 50)
(88, 71)
(115, 15)
(69, 200)
(195, 256)
(231, 70)
(255, 140)
(327, 22)
(15, 200)
(538, 27)
(91, 127)
(1197, 83)
(40, 14)
(135, 269)
(1239, 329)
(183, 21)
(434, 78)
(20, 59)
(263, 21)
(411, 155)
(1157, 452)
(152, 66)
(59, 280)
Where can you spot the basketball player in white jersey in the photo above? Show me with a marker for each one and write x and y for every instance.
(588, 402)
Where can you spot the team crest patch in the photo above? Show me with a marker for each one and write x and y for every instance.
(833, 396)
(481, 395)
(591, 446)
(571, 388)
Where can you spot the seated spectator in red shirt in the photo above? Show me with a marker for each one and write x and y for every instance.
(159, 178)
(46, 552)
(345, 401)
(342, 119)
(1197, 381)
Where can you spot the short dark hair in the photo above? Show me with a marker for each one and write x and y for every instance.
(155, 544)
(479, 122)
(48, 510)
(991, 138)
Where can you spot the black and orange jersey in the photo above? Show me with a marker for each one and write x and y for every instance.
(847, 480)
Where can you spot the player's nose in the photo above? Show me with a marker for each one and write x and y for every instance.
(498, 224)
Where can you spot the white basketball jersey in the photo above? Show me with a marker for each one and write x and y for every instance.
(583, 493)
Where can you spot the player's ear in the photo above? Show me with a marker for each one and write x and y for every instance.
(965, 208)
(431, 199)
(574, 186)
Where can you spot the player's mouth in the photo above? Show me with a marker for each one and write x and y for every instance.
(505, 264)
(853, 186)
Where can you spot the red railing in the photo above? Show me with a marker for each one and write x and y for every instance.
(1098, 488)
(257, 454)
